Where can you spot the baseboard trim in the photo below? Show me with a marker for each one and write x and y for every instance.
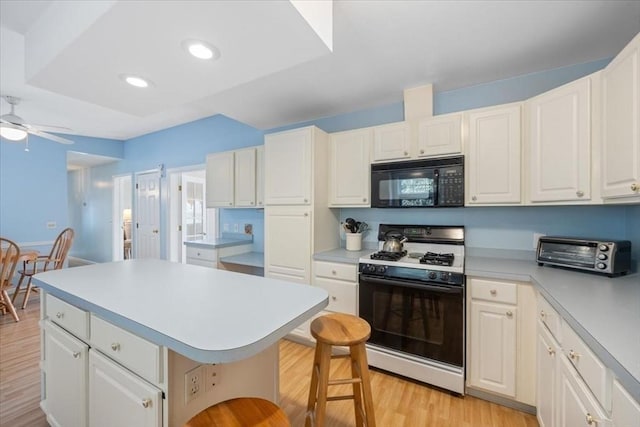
(501, 400)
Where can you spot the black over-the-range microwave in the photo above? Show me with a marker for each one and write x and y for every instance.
(428, 183)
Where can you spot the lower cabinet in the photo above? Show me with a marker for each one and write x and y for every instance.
(138, 402)
(547, 353)
(66, 362)
(208, 257)
(501, 340)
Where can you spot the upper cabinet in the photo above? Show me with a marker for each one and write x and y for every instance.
(392, 142)
(493, 155)
(220, 179)
(621, 124)
(231, 178)
(288, 167)
(260, 176)
(440, 135)
(349, 168)
(560, 143)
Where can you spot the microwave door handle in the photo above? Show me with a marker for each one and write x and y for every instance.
(436, 185)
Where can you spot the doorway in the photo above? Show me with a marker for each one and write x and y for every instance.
(122, 218)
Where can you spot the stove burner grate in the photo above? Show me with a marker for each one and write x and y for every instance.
(388, 256)
(433, 258)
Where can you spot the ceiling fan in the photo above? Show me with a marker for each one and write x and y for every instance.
(14, 128)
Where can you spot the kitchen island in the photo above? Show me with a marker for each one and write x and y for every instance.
(150, 342)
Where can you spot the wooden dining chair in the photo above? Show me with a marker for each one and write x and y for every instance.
(54, 261)
(9, 256)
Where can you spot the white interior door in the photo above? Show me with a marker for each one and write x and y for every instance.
(147, 215)
(121, 217)
(194, 221)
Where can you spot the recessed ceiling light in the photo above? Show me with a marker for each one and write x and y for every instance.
(136, 81)
(201, 50)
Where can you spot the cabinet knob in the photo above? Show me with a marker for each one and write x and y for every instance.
(509, 314)
(251, 203)
(155, 231)
(406, 153)
(334, 298)
(333, 272)
(306, 214)
(230, 203)
(573, 355)
(542, 314)
(635, 186)
(421, 152)
(259, 203)
(59, 315)
(474, 198)
(493, 292)
(306, 201)
(551, 351)
(115, 346)
(590, 420)
(364, 199)
(579, 193)
(146, 403)
(76, 354)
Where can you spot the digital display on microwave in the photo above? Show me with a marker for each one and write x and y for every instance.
(409, 192)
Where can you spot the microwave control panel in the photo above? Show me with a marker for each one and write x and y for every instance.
(451, 186)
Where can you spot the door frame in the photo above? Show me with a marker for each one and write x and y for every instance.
(161, 192)
(117, 220)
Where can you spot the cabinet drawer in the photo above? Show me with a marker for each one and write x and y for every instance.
(550, 318)
(204, 254)
(69, 317)
(135, 353)
(495, 291)
(592, 370)
(336, 271)
(342, 296)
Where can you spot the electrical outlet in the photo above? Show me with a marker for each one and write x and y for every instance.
(51, 224)
(192, 384)
(225, 227)
(236, 228)
(536, 237)
(211, 376)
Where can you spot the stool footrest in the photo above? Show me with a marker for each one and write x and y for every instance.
(340, 356)
(345, 381)
(345, 397)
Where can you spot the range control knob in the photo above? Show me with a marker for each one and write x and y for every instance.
(444, 276)
(602, 256)
(382, 269)
(601, 265)
(371, 268)
(433, 275)
(603, 248)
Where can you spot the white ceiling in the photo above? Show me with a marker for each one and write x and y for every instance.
(63, 58)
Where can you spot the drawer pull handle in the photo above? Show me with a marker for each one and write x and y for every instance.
(115, 346)
(76, 354)
(59, 315)
(333, 272)
(474, 198)
(573, 355)
(421, 152)
(551, 351)
(364, 199)
(493, 292)
(579, 193)
(590, 420)
(635, 186)
(542, 314)
(509, 314)
(146, 403)
(334, 298)
(306, 214)
(406, 153)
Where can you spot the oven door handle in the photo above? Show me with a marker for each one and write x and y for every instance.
(390, 282)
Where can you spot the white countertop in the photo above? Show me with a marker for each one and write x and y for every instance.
(224, 241)
(205, 314)
(251, 259)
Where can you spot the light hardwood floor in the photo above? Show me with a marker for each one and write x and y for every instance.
(397, 402)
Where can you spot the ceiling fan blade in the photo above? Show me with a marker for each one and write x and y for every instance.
(50, 136)
(14, 125)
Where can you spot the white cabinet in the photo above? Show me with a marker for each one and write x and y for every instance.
(625, 411)
(341, 282)
(260, 176)
(560, 143)
(440, 135)
(288, 167)
(501, 339)
(245, 178)
(287, 243)
(66, 381)
(220, 179)
(493, 155)
(547, 358)
(111, 386)
(621, 124)
(392, 142)
(349, 168)
(232, 178)
(205, 257)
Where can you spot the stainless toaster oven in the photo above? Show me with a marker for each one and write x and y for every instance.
(611, 257)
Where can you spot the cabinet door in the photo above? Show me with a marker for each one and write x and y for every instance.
(493, 347)
(288, 167)
(392, 142)
(547, 353)
(349, 168)
(287, 244)
(440, 135)
(66, 360)
(621, 124)
(625, 410)
(576, 405)
(493, 163)
(138, 403)
(245, 178)
(220, 178)
(560, 144)
(260, 176)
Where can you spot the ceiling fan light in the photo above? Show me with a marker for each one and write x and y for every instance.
(12, 133)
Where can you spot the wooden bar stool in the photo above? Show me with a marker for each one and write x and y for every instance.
(241, 412)
(339, 329)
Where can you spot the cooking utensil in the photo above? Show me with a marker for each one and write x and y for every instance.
(393, 242)
(351, 223)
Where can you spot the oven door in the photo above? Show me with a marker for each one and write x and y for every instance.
(420, 319)
(404, 188)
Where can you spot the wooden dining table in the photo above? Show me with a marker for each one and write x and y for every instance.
(25, 256)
